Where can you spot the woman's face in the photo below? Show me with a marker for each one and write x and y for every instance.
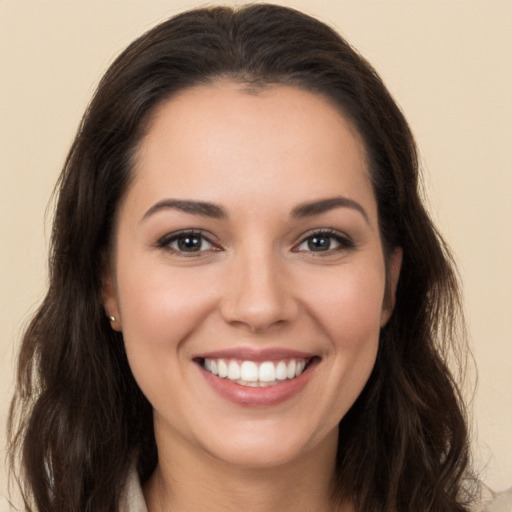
(248, 275)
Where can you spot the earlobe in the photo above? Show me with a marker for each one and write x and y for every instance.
(110, 302)
(394, 266)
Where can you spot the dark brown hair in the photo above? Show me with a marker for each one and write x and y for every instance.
(79, 421)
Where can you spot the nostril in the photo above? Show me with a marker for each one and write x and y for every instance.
(259, 314)
(257, 296)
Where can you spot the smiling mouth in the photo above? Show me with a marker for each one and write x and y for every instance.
(256, 374)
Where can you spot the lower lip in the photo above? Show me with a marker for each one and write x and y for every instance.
(255, 396)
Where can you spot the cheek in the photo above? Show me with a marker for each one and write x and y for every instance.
(350, 316)
(347, 304)
(160, 309)
(160, 306)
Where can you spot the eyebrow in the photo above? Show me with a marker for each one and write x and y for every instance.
(202, 208)
(206, 209)
(325, 205)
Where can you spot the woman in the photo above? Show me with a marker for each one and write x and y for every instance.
(249, 307)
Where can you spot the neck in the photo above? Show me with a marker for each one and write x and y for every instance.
(183, 482)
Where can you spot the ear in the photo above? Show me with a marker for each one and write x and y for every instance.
(394, 264)
(109, 299)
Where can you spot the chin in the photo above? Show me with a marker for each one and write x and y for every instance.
(270, 447)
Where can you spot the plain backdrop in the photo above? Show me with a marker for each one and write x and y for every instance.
(448, 63)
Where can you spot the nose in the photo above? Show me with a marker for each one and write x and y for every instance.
(258, 294)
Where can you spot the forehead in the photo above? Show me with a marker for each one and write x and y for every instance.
(225, 140)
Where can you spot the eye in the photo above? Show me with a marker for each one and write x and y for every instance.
(324, 241)
(186, 242)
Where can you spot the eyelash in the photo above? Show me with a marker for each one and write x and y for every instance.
(344, 242)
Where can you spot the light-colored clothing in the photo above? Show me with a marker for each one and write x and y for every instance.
(133, 499)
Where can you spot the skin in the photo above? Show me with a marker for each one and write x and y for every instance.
(256, 283)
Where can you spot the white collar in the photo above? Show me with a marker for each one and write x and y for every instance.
(132, 499)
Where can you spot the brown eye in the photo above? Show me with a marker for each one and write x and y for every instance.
(319, 243)
(190, 243)
(324, 241)
(186, 242)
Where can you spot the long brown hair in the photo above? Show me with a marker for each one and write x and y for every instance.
(78, 420)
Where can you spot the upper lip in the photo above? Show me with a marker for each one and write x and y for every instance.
(250, 354)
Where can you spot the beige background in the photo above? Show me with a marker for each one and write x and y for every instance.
(448, 63)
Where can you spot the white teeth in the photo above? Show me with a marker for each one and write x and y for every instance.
(249, 373)
(234, 370)
(281, 371)
(223, 368)
(291, 369)
(267, 372)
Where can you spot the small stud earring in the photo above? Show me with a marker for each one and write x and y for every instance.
(112, 319)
